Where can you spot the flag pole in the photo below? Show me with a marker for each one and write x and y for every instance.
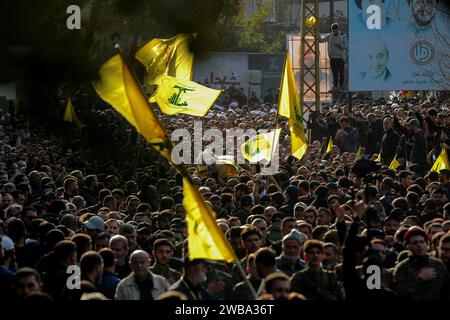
(247, 282)
(278, 106)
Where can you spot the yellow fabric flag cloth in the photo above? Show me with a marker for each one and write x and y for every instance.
(330, 145)
(171, 57)
(71, 116)
(441, 162)
(177, 96)
(298, 139)
(394, 163)
(359, 153)
(289, 107)
(261, 146)
(205, 238)
(117, 86)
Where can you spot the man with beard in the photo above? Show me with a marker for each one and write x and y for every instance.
(444, 250)
(234, 237)
(91, 265)
(241, 291)
(330, 259)
(389, 142)
(277, 284)
(89, 190)
(348, 137)
(420, 277)
(119, 245)
(375, 132)
(70, 189)
(391, 225)
(129, 231)
(265, 264)
(419, 147)
(252, 239)
(441, 199)
(289, 261)
(314, 282)
(162, 252)
(191, 282)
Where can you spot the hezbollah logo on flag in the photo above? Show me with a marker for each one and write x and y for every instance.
(255, 148)
(176, 98)
(261, 146)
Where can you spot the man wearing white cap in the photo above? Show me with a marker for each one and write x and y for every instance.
(289, 261)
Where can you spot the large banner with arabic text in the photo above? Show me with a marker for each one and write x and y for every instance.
(399, 45)
(250, 71)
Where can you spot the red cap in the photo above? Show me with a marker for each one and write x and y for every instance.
(414, 231)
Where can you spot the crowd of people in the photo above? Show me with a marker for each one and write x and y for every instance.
(110, 224)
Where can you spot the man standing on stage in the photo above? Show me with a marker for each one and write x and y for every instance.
(337, 52)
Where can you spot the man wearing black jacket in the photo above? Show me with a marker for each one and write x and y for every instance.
(355, 286)
(389, 142)
(419, 148)
(375, 134)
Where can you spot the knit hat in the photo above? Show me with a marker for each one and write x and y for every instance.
(295, 235)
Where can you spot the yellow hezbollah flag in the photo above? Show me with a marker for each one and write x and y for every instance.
(330, 145)
(394, 163)
(441, 162)
(289, 107)
(298, 139)
(171, 57)
(71, 116)
(117, 86)
(178, 96)
(205, 239)
(261, 146)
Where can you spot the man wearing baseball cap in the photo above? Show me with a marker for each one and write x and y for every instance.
(420, 276)
(94, 226)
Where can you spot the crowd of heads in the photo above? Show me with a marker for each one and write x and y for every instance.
(308, 232)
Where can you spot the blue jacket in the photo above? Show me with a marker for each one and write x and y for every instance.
(108, 284)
